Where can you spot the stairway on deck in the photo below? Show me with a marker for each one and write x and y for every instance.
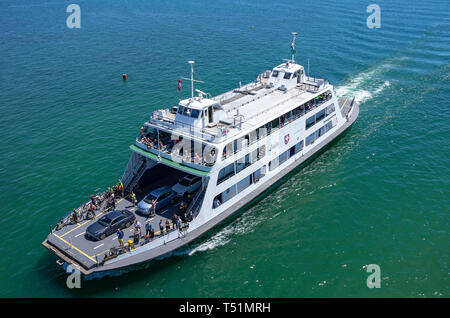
(198, 203)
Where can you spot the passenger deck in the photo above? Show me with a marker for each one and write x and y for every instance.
(70, 241)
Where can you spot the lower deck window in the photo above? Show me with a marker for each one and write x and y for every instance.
(299, 147)
(285, 155)
(239, 187)
(319, 132)
(241, 164)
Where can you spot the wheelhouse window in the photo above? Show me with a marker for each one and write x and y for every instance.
(275, 74)
(195, 113)
(187, 111)
(287, 75)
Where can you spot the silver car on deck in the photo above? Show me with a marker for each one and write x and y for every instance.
(187, 185)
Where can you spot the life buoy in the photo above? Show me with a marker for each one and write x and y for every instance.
(286, 139)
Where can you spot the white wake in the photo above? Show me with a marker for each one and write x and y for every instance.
(366, 85)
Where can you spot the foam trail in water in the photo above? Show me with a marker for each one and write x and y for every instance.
(221, 238)
(365, 85)
(243, 225)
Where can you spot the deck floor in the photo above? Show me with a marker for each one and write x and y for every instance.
(344, 105)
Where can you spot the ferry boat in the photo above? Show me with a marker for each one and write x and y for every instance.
(202, 160)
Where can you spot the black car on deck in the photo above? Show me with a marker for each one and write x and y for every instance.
(109, 223)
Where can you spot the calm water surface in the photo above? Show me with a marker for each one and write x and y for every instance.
(380, 195)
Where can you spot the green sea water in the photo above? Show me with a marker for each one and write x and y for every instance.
(380, 195)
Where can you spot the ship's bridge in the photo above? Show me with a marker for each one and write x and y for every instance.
(199, 112)
(286, 76)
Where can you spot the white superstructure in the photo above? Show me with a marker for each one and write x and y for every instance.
(239, 140)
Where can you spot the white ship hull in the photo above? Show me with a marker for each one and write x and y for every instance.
(237, 145)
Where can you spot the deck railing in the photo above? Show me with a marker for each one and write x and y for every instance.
(167, 153)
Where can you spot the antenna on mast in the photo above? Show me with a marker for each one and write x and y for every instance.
(192, 79)
(293, 46)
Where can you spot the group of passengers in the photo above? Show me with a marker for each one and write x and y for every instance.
(116, 191)
(178, 222)
(165, 144)
(96, 201)
(197, 159)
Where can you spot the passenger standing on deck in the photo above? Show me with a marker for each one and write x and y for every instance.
(148, 228)
(174, 219)
(153, 213)
(74, 216)
(152, 232)
(112, 201)
(161, 227)
(120, 236)
(121, 187)
(137, 235)
(92, 209)
(167, 225)
(137, 225)
(133, 199)
(178, 222)
(190, 217)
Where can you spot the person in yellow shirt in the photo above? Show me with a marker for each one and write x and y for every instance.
(133, 199)
(121, 187)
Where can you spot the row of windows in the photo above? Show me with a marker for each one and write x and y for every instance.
(266, 129)
(240, 164)
(186, 111)
(319, 132)
(286, 74)
(285, 155)
(254, 177)
(239, 187)
(311, 121)
(299, 146)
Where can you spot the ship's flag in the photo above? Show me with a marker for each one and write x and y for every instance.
(179, 85)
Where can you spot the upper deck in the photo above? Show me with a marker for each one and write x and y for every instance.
(215, 120)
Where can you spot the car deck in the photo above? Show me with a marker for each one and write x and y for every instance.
(71, 240)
